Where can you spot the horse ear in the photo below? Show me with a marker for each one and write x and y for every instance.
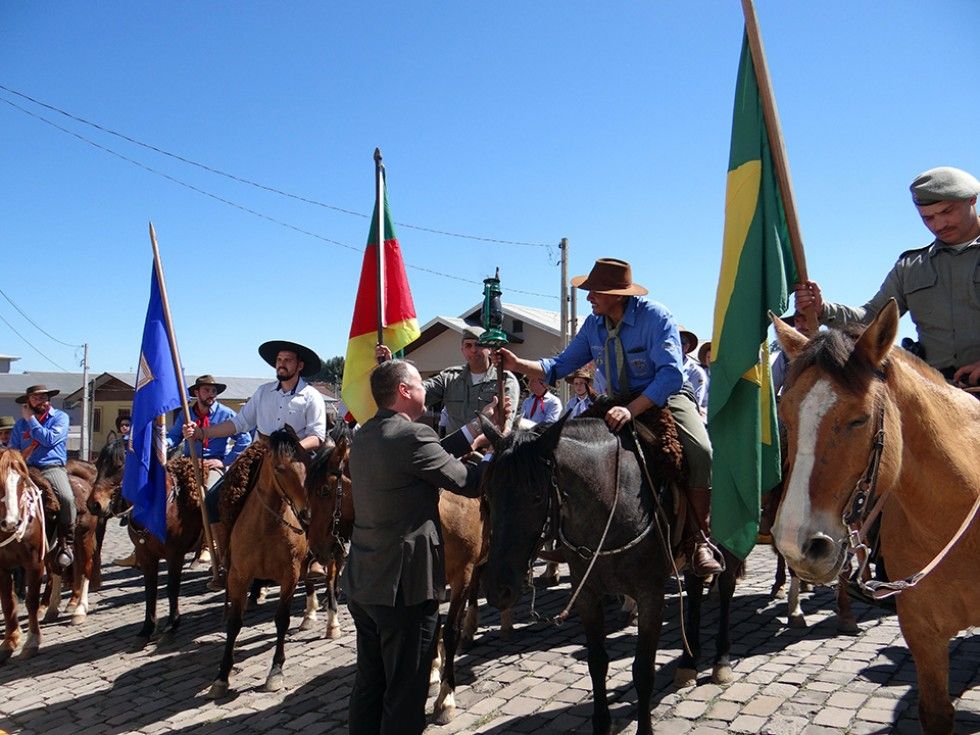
(490, 431)
(789, 339)
(876, 341)
(549, 439)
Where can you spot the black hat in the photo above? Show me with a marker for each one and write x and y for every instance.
(311, 362)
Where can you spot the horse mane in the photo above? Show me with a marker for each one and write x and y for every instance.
(832, 352)
(112, 454)
(182, 470)
(238, 481)
(285, 444)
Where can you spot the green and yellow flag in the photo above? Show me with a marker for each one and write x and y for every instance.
(756, 268)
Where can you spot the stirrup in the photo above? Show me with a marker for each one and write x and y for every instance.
(65, 557)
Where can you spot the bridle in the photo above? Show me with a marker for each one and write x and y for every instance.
(859, 515)
(30, 505)
(337, 476)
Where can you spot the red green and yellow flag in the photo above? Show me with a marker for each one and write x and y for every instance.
(399, 322)
(757, 267)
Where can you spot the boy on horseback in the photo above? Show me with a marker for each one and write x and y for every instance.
(41, 435)
(636, 346)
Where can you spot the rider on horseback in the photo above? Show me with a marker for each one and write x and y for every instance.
(636, 346)
(41, 435)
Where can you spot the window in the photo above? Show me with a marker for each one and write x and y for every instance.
(518, 326)
(96, 419)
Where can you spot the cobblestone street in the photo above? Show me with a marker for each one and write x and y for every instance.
(94, 679)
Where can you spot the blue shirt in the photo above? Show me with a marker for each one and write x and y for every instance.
(51, 437)
(651, 346)
(216, 448)
(547, 409)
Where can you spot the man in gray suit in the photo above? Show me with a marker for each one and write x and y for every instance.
(395, 576)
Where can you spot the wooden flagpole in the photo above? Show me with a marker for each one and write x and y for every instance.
(380, 259)
(777, 146)
(161, 284)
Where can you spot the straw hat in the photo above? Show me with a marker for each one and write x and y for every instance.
(35, 390)
(610, 276)
(6, 422)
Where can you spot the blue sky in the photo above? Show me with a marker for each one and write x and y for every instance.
(607, 124)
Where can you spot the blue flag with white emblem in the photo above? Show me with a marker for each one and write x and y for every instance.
(157, 392)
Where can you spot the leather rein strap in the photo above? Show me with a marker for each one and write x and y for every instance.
(859, 515)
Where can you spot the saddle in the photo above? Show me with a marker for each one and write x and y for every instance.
(51, 503)
(239, 479)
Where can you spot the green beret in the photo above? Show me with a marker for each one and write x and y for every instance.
(943, 184)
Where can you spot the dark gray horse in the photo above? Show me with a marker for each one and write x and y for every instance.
(560, 481)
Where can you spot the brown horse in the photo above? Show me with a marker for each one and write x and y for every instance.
(85, 572)
(22, 545)
(184, 532)
(268, 541)
(868, 421)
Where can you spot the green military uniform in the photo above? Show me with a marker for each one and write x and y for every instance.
(939, 285)
(454, 388)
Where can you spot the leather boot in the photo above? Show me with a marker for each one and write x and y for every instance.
(66, 555)
(126, 561)
(703, 561)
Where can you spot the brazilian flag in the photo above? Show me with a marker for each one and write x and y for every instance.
(757, 268)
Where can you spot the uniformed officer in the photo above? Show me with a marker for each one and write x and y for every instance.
(938, 285)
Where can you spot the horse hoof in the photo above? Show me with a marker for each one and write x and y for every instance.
(274, 683)
(445, 715)
(777, 593)
(28, 652)
(218, 690)
(722, 674)
(848, 627)
(50, 615)
(70, 608)
(307, 624)
(797, 621)
(333, 632)
(684, 678)
(79, 617)
(5, 652)
(806, 587)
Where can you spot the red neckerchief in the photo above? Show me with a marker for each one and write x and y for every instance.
(203, 420)
(29, 450)
(538, 401)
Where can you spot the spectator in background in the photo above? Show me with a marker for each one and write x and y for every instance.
(542, 405)
(694, 374)
(584, 394)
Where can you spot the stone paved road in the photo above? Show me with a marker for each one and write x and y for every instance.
(92, 678)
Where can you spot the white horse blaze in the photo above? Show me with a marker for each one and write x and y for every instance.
(11, 516)
(794, 510)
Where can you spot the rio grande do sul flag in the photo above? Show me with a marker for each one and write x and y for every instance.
(400, 325)
(757, 267)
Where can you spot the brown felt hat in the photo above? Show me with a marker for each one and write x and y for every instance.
(206, 380)
(34, 390)
(582, 372)
(610, 276)
(271, 349)
(702, 350)
(691, 336)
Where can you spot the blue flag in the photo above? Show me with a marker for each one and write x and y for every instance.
(157, 392)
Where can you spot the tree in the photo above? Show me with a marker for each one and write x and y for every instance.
(331, 372)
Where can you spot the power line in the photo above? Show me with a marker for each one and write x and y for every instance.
(256, 184)
(32, 346)
(231, 203)
(38, 326)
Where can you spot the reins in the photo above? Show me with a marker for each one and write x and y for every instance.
(858, 517)
(30, 505)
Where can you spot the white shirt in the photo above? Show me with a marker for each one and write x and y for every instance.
(271, 408)
(577, 406)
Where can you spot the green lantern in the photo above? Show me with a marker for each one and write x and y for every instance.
(492, 317)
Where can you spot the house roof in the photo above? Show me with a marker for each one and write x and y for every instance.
(14, 384)
(239, 389)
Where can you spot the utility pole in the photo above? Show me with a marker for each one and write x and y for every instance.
(563, 247)
(86, 439)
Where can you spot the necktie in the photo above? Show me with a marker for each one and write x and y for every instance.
(616, 361)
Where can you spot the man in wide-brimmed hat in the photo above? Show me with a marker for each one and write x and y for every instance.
(216, 455)
(6, 427)
(41, 435)
(935, 284)
(583, 393)
(289, 399)
(635, 344)
(694, 374)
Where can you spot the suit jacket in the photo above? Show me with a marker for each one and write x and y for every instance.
(397, 468)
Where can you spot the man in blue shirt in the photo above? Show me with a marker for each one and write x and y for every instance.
(636, 346)
(41, 435)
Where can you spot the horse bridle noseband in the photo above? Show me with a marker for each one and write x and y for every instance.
(859, 515)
